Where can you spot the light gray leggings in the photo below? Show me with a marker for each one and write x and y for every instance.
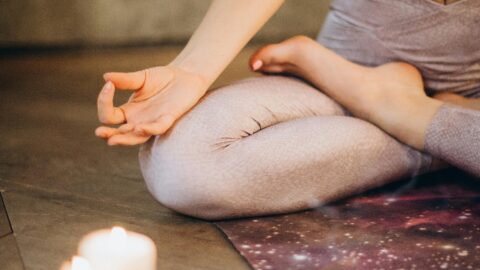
(275, 144)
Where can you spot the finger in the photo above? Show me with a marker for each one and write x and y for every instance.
(107, 113)
(128, 139)
(127, 80)
(158, 127)
(107, 132)
(125, 128)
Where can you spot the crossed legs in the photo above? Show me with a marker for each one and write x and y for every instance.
(275, 144)
(270, 145)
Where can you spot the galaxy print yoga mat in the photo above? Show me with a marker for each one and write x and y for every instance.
(427, 223)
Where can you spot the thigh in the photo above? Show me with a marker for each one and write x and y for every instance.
(269, 145)
(251, 105)
(245, 107)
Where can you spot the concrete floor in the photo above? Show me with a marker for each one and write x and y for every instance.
(59, 182)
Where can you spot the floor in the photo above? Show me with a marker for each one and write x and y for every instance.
(58, 182)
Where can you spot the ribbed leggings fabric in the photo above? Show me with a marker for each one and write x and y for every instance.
(275, 144)
(454, 136)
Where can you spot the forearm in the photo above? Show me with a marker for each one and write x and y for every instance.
(225, 30)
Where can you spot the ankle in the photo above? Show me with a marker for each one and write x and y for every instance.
(405, 116)
(419, 120)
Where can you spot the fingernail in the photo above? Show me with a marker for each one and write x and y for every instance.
(107, 87)
(257, 64)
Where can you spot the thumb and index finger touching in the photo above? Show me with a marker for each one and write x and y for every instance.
(107, 112)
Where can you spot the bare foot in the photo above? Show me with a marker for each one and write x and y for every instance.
(470, 103)
(391, 96)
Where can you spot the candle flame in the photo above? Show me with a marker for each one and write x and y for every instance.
(118, 236)
(80, 263)
(118, 232)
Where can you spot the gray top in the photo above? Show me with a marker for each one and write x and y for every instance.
(443, 41)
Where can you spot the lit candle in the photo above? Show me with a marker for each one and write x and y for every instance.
(78, 263)
(117, 249)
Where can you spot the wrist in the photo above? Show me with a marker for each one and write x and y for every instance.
(203, 76)
(197, 77)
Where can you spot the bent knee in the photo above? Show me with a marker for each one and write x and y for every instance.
(191, 186)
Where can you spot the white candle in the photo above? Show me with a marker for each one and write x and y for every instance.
(117, 249)
(78, 263)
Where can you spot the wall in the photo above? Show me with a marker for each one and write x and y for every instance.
(128, 22)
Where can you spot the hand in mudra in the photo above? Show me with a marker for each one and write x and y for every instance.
(161, 96)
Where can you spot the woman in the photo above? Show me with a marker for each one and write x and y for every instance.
(277, 144)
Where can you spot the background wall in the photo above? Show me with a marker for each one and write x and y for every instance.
(33, 23)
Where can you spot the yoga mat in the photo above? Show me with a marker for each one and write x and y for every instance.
(427, 223)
